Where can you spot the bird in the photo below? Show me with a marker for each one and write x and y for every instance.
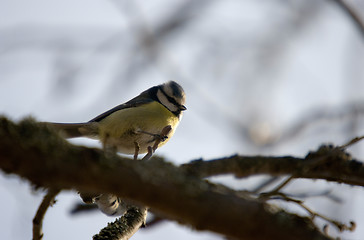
(130, 128)
(137, 121)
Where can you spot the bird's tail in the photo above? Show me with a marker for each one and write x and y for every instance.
(72, 130)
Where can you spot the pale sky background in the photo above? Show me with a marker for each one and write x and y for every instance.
(251, 70)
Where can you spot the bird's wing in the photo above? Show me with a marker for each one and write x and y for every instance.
(72, 130)
(141, 99)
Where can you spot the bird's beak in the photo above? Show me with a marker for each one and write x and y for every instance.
(182, 108)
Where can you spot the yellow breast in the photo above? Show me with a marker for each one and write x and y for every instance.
(123, 128)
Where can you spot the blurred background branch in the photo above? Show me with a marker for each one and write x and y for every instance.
(353, 15)
(267, 78)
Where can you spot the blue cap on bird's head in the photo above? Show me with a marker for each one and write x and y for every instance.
(172, 96)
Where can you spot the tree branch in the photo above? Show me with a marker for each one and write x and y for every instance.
(41, 156)
(48, 200)
(328, 163)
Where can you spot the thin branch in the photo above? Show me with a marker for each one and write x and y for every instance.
(275, 194)
(282, 185)
(276, 189)
(265, 184)
(340, 226)
(351, 142)
(326, 193)
(48, 200)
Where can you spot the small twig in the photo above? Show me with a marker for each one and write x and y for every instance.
(275, 194)
(279, 187)
(266, 195)
(325, 193)
(351, 142)
(265, 184)
(340, 226)
(48, 200)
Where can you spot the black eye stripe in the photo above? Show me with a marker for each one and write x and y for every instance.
(170, 99)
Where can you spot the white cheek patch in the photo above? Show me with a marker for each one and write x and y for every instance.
(163, 99)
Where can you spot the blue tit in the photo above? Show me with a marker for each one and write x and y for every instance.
(137, 122)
